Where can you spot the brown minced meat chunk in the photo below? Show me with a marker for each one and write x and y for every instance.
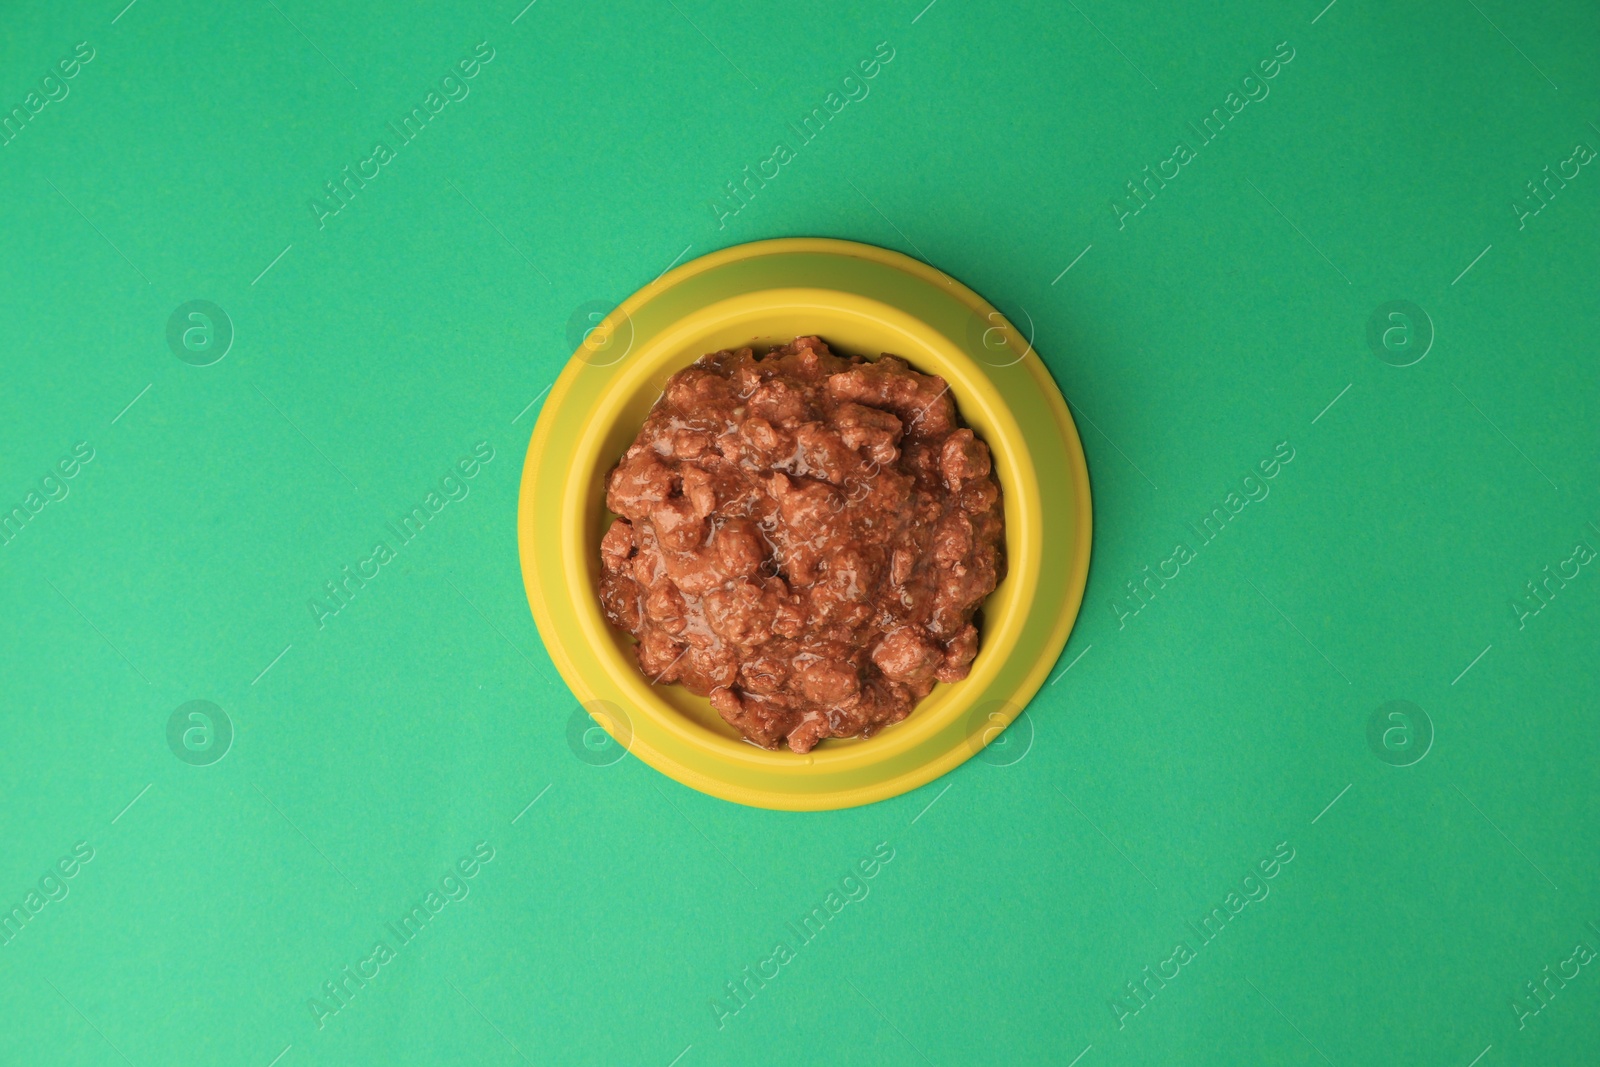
(804, 539)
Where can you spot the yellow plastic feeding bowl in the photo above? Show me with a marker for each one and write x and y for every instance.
(861, 300)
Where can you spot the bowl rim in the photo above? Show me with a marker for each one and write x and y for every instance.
(560, 569)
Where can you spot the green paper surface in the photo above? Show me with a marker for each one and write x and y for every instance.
(1319, 788)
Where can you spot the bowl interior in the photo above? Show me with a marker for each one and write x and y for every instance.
(850, 329)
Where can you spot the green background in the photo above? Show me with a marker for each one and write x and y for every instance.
(1184, 743)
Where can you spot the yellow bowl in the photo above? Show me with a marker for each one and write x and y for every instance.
(861, 300)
